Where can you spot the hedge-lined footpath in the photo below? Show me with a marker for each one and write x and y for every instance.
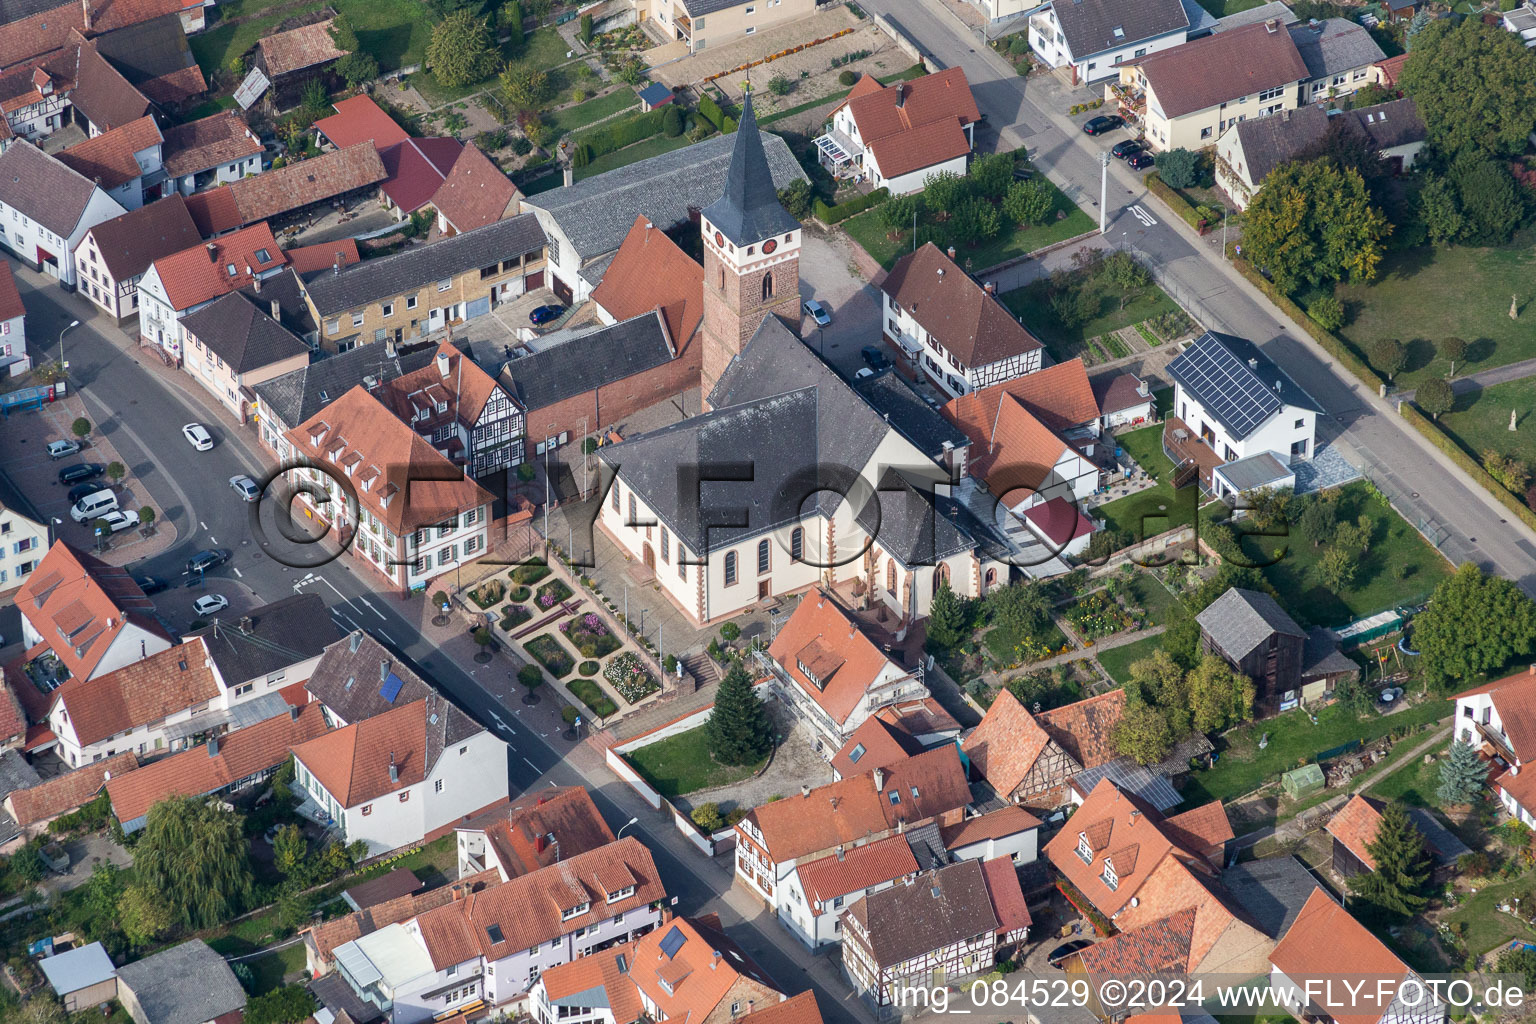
(829, 214)
(1447, 444)
(1175, 202)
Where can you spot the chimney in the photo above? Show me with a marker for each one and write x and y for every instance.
(570, 176)
(1272, 25)
(213, 252)
(389, 348)
(336, 269)
(879, 775)
(1277, 387)
(275, 309)
(840, 854)
(1253, 364)
(293, 712)
(458, 892)
(394, 769)
(714, 961)
(901, 95)
(255, 281)
(951, 252)
(355, 641)
(991, 287)
(383, 675)
(213, 747)
(539, 843)
(1532, 670)
(443, 363)
(245, 623)
(805, 790)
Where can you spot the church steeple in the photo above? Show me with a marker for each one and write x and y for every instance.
(751, 255)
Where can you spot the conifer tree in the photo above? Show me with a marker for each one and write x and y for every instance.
(1395, 886)
(738, 729)
(1461, 775)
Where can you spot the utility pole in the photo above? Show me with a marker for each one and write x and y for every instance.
(1103, 191)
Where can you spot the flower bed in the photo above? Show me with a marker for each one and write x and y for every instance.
(514, 615)
(589, 636)
(592, 695)
(551, 654)
(488, 594)
(628, 675)
(552, 593)
(520, 594)
(530, 572)
(1098, 615)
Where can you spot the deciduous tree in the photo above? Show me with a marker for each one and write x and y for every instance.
(192, 857)
(524, 86)
(1475, 623)
(1435, 396)
(1218, 696)
(1453, 350)
(1395, 886)
(974, 221)
(992, 174)
(142, 918)
(1313, 223)
(1337, 568)
(738, 729)
(1143, 733)
(943, 192)
(1474, 86)
(1388, 356)
(1027, 202)
(289, 848)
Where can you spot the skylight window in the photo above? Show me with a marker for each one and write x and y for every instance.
(856, 753)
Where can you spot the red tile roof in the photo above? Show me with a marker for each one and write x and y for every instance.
(689, 984)
(416, 169)
(201, 770)
(1355, 827)
(202, 273)
(1204, 830)
(10, 297)
(822, 639)
(476, 193)
(177, 87)
(325, 937)
(1325, 945)
(353, 762)
(1013, 451)
(542, 828)
(797, 1009)
(608, 970)
(214, 212)
(465, 388)
(971, 325)
(1059, 521)
(1222, 67)
(922, 717)
(1006, 895)
(1514, 698)
(1120, 827)
(307, 259)
(1060, 396)
(208, 142)
(80, 604)
(1086, 729)
(146, 691)
(1391, 68)
(1120, 392)
(858, 868)
(360, 119)
(130, 243)
(879, 745)
(65, 792)
(108, 159)
(650, 272)
(307, 182)
(1159, 947)
(299, 48)
(915, 124)
(998, 824)
(13, 719)
(1006, 745)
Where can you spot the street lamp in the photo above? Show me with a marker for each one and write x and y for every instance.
(631, 821)
(72, 324)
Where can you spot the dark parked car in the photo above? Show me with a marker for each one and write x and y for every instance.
(81, 471)
(876, 359)
(1140, 161)
(1103, 123)
(544, 314)
(81, 490)
(1126, 148)
(210, 559)
(151, 584)
(1067, 949)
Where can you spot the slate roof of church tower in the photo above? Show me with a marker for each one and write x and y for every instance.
(748, 210)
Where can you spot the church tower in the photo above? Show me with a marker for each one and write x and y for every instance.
(751, 255)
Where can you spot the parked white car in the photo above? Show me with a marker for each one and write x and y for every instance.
(119, 519)
(208, 604)
(197, 435)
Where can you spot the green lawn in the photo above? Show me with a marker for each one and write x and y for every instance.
(1480, 420)
(592, 695)
(1117, 661)
(1162, 607)
(394, 31)
(1424, 294)
(682, 764)
(867, 230)
(1413, 784)
(1032, 305)
(1157, 509)
(583, 114)
(1487, 926)
(542, 48)
(1242, 767)
(629, 154)
(1010, 646)
(1400, 568)
(270, 969)
(1222, 8)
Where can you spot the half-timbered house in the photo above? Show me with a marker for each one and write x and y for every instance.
(462, 412)
(1028, 759)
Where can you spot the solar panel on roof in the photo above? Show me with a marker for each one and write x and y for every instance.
(390, 688)
(1228, 388)
(672, 942)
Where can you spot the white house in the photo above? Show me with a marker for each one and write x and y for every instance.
(211, 151)
(13, 330)
(1009, 831)
(22, 543)
(1495, 718)
(125, 161)
(830, 883)
(896, 136)
(942, 323)
(113, 256)
(1231, 399)
(271, 647)
(407, 775)
(1093, 37)
(487, 949)
(46, 208)
(188, 280)
(1339, 55)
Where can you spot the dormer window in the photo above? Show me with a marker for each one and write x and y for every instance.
(809, 675)
(1084, 850)
(576, 911)
(622, 894)
(1110, 878)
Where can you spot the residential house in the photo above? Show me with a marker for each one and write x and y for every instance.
(475, 193)
(588, 220)
(13, 341)
(1325, 948)
(461, 410)
(689, 970)
(897, 136)
(650, 272)
(971, 911)
(718, 22)
(1028, 759)
(46, 208)
(13, 737)
(531, 833)
(925, 720)
(156, 59)
(1092, 38)
(875, 744)
(952, 329)
(1153, 879)
(273, 648)
(599, 989)
(113, 256)
(341, 178)
(284, 402)
(1273, 890)
(155, 990)
(228, 764)
(83, 978)
(214, 212)
(290, 60)
(1354, 827)
(488, 948)
(1394, 128)
(125, 162)
(1499, 719)
(1521, 21)
(211, 151)
(900, 403)
(407, 775)
(231, 344)
(417, 168)
(80, 619)
(186, 281)
(67, 81)
(773, 839)
(310, 260)
(1230, 401)
(22, 538)
(359, 119)
(1251, 632)
(15, 771)
(1338, 53)
(824, 667)
(1185, 97)
(33, 808)
(838, 880)
(424, 289)
(365, 459)
(1124, 400)
(1010, 832)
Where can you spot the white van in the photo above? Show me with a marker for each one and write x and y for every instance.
(92, 506)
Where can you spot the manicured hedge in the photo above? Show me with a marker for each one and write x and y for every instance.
(842, 211)
(1177, 203)
(711, 110)
(619, 134)
(1440, 439)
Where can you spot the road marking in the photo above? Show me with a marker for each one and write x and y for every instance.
(535, 767)
(371, 607)
(237, 572)
(202, 524)
(386, 636)
(212, 539)
(344, 618)
(344, 598)
(1143, 216)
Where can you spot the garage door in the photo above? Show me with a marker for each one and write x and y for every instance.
(535, 280)
(478, 307)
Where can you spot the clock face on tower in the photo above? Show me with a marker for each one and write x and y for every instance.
(719, 239)
(770, 245)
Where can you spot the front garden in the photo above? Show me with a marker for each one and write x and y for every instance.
(683, 764)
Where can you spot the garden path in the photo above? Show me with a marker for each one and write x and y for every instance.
(1483, 378)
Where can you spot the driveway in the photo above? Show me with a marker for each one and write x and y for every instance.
(828, 274)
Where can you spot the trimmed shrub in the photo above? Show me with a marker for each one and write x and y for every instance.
(1331, 343)
(1440, 439)
(729, 126)
(1327, 311)
(847, 78)
(1173, 200)
(619, 134)
(711, 110)
(588, 668)
(672, 121)
(842, 211)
